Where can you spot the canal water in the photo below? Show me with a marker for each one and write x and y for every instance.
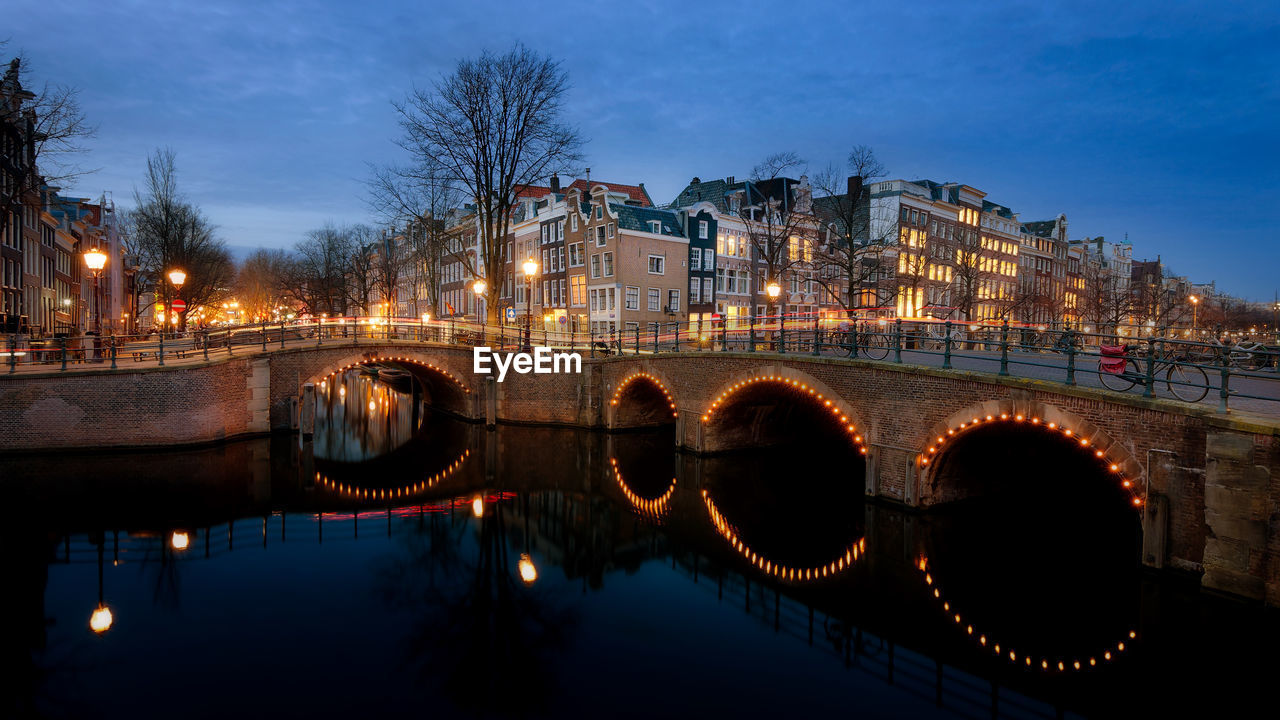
(404, 562)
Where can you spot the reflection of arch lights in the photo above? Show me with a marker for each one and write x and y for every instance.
(439, 369)
(1027, 660)
(1110, 464)
(818, 397)
(385, 493)
(653, 506)
(617, 394)
(782, 572)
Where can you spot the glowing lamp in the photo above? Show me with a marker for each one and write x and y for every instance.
(528, 573)
(773, 289)
(95, 260)
(479, 286)
(530, 267)
(100, 621)
(177, 277)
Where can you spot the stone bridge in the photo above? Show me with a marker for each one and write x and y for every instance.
(1207, 485)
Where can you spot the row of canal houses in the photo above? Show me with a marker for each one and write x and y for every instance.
(609, 260)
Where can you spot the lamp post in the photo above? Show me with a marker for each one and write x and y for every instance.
(177, 277)
(1195, 305)
(479, 286)
(530, 268)
(96, 260)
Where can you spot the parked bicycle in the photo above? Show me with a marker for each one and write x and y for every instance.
(869, 344)
(1119, 370)
(1243, 355)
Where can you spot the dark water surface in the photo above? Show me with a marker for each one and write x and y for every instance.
(407, 564)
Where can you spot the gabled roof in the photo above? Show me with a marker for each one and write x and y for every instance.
(1040, 228)
(636, 193)
(715, 192)
(631, 217)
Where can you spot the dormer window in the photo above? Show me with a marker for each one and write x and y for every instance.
(655, 226)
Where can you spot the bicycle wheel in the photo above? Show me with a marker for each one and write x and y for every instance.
(874, 346)
(1122, 382)
(1187, 382)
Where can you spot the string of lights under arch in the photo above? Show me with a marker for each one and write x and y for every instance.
(653, 379)
(1114, 466)
(831, 404)
(1044, 662)
(438, 369)
(655, 507)
(784, 573)
(360, 493)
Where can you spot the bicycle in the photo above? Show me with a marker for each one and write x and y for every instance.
(871, 345)
(1118, 370)
(1241, 355)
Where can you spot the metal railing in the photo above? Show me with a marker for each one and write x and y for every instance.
(1155, 363)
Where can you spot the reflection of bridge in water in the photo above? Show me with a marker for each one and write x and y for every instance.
(592, 526)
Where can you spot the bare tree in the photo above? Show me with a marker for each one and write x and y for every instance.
(167, 233)
(1106, 300)
(780, 225)
(48, 129)
(421, 199)
(264, 282)
(850, 264)
(493, 126)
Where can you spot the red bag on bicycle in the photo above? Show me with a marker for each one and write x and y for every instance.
(1113, 358)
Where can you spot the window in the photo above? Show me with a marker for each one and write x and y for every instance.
(594, 304)
(702, 229)
(657, 265)
(575, 222)
(610, 229)
(673, 301)
(695, 287)
(608, 264)
(709, 259)
(578, 289)
(600, 236)
(707, 295)
(633, 298)
(599, 212)
(595, 266)
(612, 298)
(575, 255)
(720, 280)
(695, 258)
(654, 299)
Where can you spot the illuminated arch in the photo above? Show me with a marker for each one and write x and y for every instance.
(359, 493)
(640, 375)
(819, 393)
(784, 573)
(654, 507)
(331, 371)
(1056, 663)
(1111, 456)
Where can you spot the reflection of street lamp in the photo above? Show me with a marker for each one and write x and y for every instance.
(530, 268)
(100, 621)
(528, 573)
(477, 506)
(179, 540)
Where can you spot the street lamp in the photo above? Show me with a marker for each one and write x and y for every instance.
(1195, 305)
(96, 260)
(530, 269)
(479, 286)
(177, 277)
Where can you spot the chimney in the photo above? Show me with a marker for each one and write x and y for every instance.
(555, 183)
(855, 186)
(729, 180)
(588, 179)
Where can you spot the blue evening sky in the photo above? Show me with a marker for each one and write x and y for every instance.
(1156, 119)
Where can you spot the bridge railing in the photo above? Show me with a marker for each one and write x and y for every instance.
(1153, 361)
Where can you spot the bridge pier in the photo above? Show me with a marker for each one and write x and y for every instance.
(307, 414)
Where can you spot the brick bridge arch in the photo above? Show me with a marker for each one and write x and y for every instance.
(621, 413)
(715, 436)
(444, 371)
(1112, 457)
